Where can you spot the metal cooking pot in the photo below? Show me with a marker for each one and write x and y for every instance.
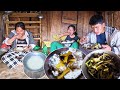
(3, 51)
(46, 65)
(84, 68)
(30, 72)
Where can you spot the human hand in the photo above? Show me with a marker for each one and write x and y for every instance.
(27, 48)
(63, 34)
(66, 33)
(83, 40)
(18, 36)
(106, 47)
(73, 41)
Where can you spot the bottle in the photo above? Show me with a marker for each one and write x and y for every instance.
(45, 50)
(36, 48)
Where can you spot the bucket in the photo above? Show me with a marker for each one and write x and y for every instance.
(34, 64)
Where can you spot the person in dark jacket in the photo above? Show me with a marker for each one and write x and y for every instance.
(18, 38)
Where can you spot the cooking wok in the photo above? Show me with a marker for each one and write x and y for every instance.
(84, 68)
(46, 66)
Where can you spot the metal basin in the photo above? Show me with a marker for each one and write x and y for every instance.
(2, 51)
(33, 64)
(84, 68)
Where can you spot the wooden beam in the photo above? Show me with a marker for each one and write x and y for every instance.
(24, 15)
(26, 27)
(37, 38)
(69, 21)
(10, 22)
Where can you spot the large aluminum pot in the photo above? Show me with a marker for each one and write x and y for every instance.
(3, 51)
(33, 64)
(84, 68)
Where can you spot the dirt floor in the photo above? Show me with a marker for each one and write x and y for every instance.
(17, 73)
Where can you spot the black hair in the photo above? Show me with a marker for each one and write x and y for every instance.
(96, 19)
(73, 26)
(20, 24)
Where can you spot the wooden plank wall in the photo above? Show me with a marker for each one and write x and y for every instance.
(112, 18)
(68, 17)
(45, 26)
(0, 29)
(60, 26)
(116, 19)
(83, 26)
(108, 18)
(55, 22)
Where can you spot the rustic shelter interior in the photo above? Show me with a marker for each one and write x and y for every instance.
(45, 24)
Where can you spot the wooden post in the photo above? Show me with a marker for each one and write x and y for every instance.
(112, 19)
(40, 33)
(7, 24)
(40, 18)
